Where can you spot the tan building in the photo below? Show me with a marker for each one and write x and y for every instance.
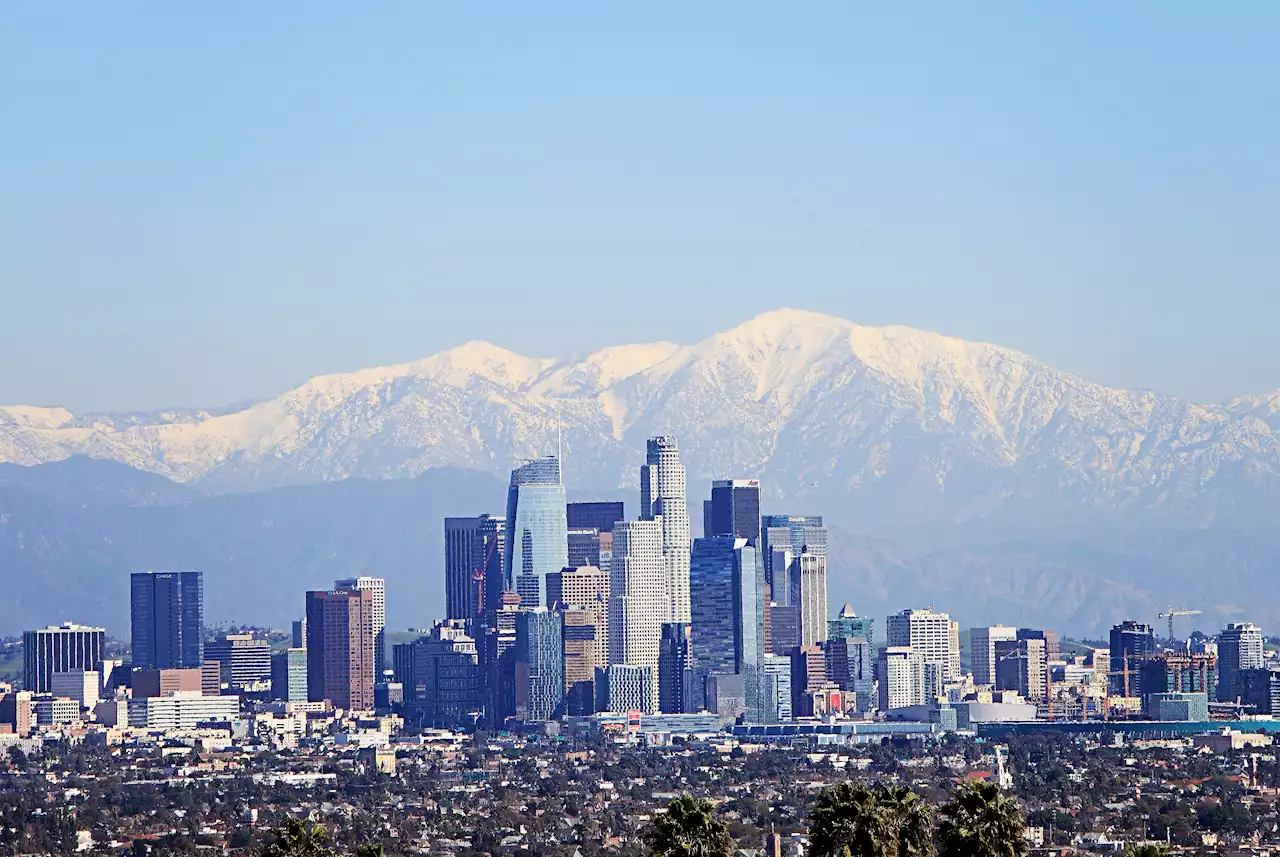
(585, 589)
(148, 683)
(341, 648)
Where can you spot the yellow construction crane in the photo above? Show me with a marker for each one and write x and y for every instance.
(1171, 613)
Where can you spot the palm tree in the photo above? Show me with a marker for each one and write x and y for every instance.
(1147, 849)
(979, 821)
(850, 820)
(298, 839)
(913, 821)
(689, 828)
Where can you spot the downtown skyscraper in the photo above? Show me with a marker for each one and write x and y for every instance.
(727, 586)
(166, 619)
(636, 607)
(537, 537)
(340, 648)
(662, 497)
(378, 587)
(472, 565)
(733, 510)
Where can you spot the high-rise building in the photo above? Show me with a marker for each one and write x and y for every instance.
(539, 664)
(982, 648)
(584, 547)
(537, 537)
(498, 661)
(901, 675)
(377, 587)
(243, 661)
(472, 548)
(340, 648)
(1051, 646)
(808, 675)
(662, 497)
(81, 685)
(440, 674)
(809, 594)
(784, 628)
(777, 682)
(300, 633)
(851, 667)
(1173, 672)
(727, 587)
(1239, 648)
(289, 675)
(788, 536)
(627, 688)
(59, 648)
(735, 510)
(850, 624)
(596, 515)
(166, 612)
(148, 682)
(1259, 688)
(1129, 641)
(675, 669)
(582, 656)
(585, 588)
(1020, 667)
(636, 609)
(929, 634)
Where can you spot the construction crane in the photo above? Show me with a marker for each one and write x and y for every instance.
(1171, 613)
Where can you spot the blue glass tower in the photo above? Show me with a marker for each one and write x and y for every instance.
(726, 586)
(537, 538)
(166, 613)
(539, 664)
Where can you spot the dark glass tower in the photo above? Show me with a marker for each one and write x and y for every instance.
(726, 585)
(1129, 642)
(735, 510)
(166, 613)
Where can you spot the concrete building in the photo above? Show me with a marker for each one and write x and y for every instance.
(727, 585)
(585, 588)
(636, 608)
(930, 635)
(662, 497)
(1021, 667)
(182, 710)
(83, 686)
(1239, 648)
(851, 667)
(901, 675)
(440, 675)
(377, 587)
(166, 616)
(1129, 641)
(809, 594)
(777, 673)
(57, 711)
(627, 688)
(582, 657)
(59, 648)
(289, 675)
(537, 532)
(982, 648)
(149, 682)
(17, 709)
(340, 648)
(244, 661)
(1192, 707)
(808, 675)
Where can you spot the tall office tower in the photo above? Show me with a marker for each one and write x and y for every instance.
(901, 674)
(491, 562)
(59, 648)
(735, 510)
(928, 633)
(539, 664)
(440, 673)
(1174, 672)
(850, 624)
(636, 608)
(809, 594)
(300, 633)
(340, 648)
(166, 613)
(1239, 648)
(584, 548)
(1020, 666)
(982, 649)
(808, 674)
(777, 678)
(662, 497)
(537, 540)
(708, 519)
(243, 661)
(1130, 640)
(784, 629)
(210, 677)
(627, 688)
(1260, 689)
(378, 588)
(585, 588)
(289, 675)
(727, 587)
(169, 681)
(851, 667)
(599, 515)
(953, 642)
(789, 534)
(581, 658)
(675, 668)
(497, 661)
(1051, 647)
(470, 548)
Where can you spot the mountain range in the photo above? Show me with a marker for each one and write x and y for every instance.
(953, 472)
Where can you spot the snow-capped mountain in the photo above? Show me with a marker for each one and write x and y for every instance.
(880, 420)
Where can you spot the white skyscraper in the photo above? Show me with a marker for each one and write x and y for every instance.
(982, 645)
(928, 632)
(901, 678)
(637, 607)
(378, 587)
(662, 496)
(809, 580)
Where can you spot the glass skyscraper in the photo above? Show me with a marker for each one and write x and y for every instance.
(734, 510)
(537, 537)
(782, 538)
(166, 618)
(539, 664)
(726, 584)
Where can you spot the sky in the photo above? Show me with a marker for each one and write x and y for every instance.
(206, 203)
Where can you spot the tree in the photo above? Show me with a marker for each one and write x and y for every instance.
(1148, 849)
(850, 819)
(298, 839)
(689, 828)
(912, 821)
(979, 821)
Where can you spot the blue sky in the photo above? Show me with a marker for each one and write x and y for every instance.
(203, 203)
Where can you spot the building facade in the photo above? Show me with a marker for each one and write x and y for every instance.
(675, 669)
(1239, 648)
(929, 634)
(472, 555)
(244, 661)
(982, 648)
(662, 497)
(166, 619)
(809, 594)
(595, 515)
(340, 648)
(1129, 641)
(734, 510)
(539, 656)
(377, 587)
(59, 648)
(537, 532)
(636, 609)
(289, 675)
(727, 586)
(901, 675)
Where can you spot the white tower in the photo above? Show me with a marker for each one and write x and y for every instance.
(636, 608)
(662, 496)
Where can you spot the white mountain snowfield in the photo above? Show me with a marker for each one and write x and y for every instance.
(815, 405)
